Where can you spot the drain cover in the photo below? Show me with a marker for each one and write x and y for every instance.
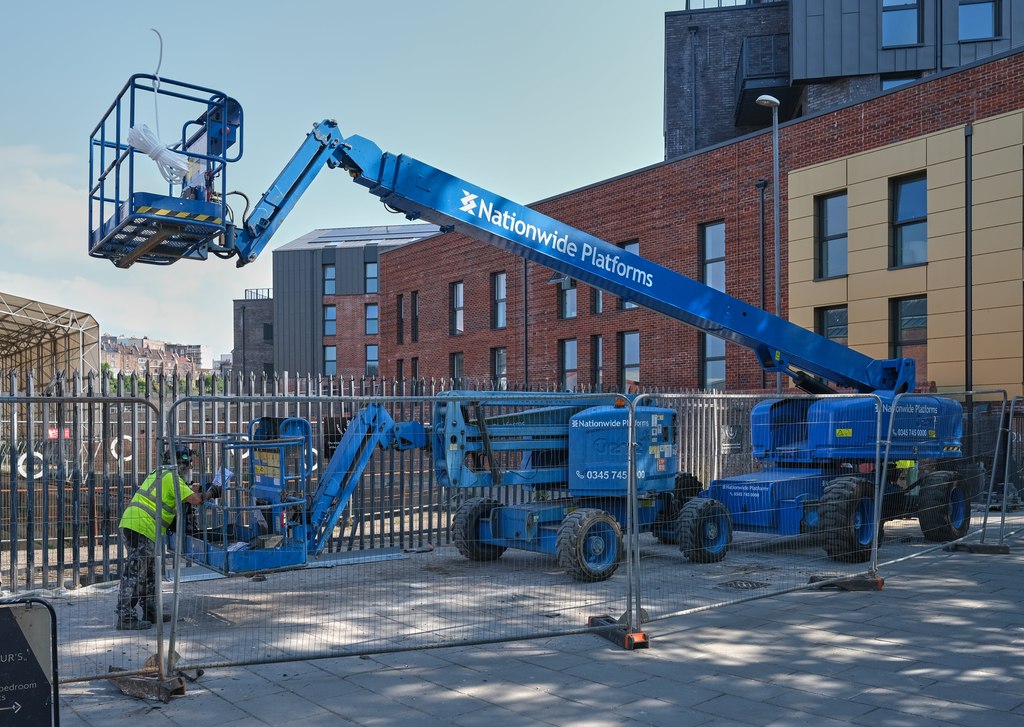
(743, 585)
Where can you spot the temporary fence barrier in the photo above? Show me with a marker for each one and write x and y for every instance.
(400, 564)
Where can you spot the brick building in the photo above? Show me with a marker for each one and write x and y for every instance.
(702, 212)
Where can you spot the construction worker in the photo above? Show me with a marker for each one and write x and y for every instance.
(138, 530)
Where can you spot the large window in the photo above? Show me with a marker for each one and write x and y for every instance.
(633, 247)
(370, 277)
(979, 19)
(499, 368)
(712, 347)
(400, 319)
(567, 299)
(330, 320)
(372, 359)
(596, 301)
(901, 23)
(597, 363)
(909, 221)
(567, 365)
(909, 337)
(330, 361)
(629, 361)
(832, 228)
(832, 322)
(414, 326)
(456, 309)
(372, 319)
(330, 281)
(499, 317)
(268, 331)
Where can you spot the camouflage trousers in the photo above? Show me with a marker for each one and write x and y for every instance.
(138, 576)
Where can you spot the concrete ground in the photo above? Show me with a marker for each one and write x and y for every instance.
(941, 644)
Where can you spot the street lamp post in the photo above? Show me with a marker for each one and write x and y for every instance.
(773, 103)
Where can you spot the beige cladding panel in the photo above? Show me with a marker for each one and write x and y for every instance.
(945, 274)
(889, 284)
(995, 239)
(996, 267)
(998, 132)
(946, 146)
(889, 161)
(996, 320)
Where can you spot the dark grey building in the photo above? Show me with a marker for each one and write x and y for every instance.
(325, 306)
(253, 348)
(813, 55)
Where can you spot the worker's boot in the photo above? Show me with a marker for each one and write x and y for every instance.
(132, 623)
(151, 616)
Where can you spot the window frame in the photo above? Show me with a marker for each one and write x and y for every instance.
(329, 279)
(374, 320)
(568, 299)
(897, 227)
(499, 300)
(597, 362)
(499, 368)
(711, 257)
(456, 367)
(414, 313)
(893, 8)
(376, 359)
(898, 345)
(369, 288)
(568, 370)
(821, 323)
(632, 246)
(330, 360)
(456, 308)
(626, 365)
(824, 241)
(330, 316)
(997, 13)
(400, 318)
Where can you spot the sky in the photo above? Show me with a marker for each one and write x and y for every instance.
(529, 99)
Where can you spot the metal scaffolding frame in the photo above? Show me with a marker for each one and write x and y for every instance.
(45, 339)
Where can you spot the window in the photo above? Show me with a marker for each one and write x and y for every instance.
(499, 319)
(372, 359)
(633, 247)
(370, 277)
(400, 370)
(832, 229)
(567, 299)
(596, 301)
(979, 19)
(901, 23)
(832, 323)
(268, 370)
(330, 320)
(329, 280)
(456, 309)
(415, 325)
(712, 347)
(909, 318)
(414, 367)
(372, 319)
(400, 318)
(499, 368)
(890, 82)
(597, 362)
(268, 331)
(567, 365)
(330, 361)
(455, 367)
(909, 221)
(629, 366)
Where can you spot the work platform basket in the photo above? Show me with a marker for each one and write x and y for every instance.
(135, 215)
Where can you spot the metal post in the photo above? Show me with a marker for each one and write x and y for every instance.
(775, 220)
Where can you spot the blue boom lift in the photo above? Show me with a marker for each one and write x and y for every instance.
(815, 451)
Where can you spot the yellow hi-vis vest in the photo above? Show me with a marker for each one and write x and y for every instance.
(140, 515)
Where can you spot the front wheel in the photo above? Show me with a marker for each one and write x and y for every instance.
(704, 530)
(847, 519)
(589, 545)
(466, 529)
(943, 507)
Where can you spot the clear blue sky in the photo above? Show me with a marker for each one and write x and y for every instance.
(529, 99)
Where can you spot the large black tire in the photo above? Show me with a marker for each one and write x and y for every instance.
(943, 507)
(847, 519)
(704, 530)
(665, 528)
(466, 529)
(589, 545)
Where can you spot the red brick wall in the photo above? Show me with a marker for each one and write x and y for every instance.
(663, 207)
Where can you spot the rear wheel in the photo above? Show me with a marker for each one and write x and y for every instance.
(847, 519)
(943, 507)
(466, 529)
(589, 545)
(704, 530)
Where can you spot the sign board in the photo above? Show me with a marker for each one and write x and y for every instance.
(28, 663)
(731, 438)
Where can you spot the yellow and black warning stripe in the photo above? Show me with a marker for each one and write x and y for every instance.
(178, 215)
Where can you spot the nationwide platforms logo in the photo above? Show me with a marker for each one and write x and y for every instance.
(468, 202)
